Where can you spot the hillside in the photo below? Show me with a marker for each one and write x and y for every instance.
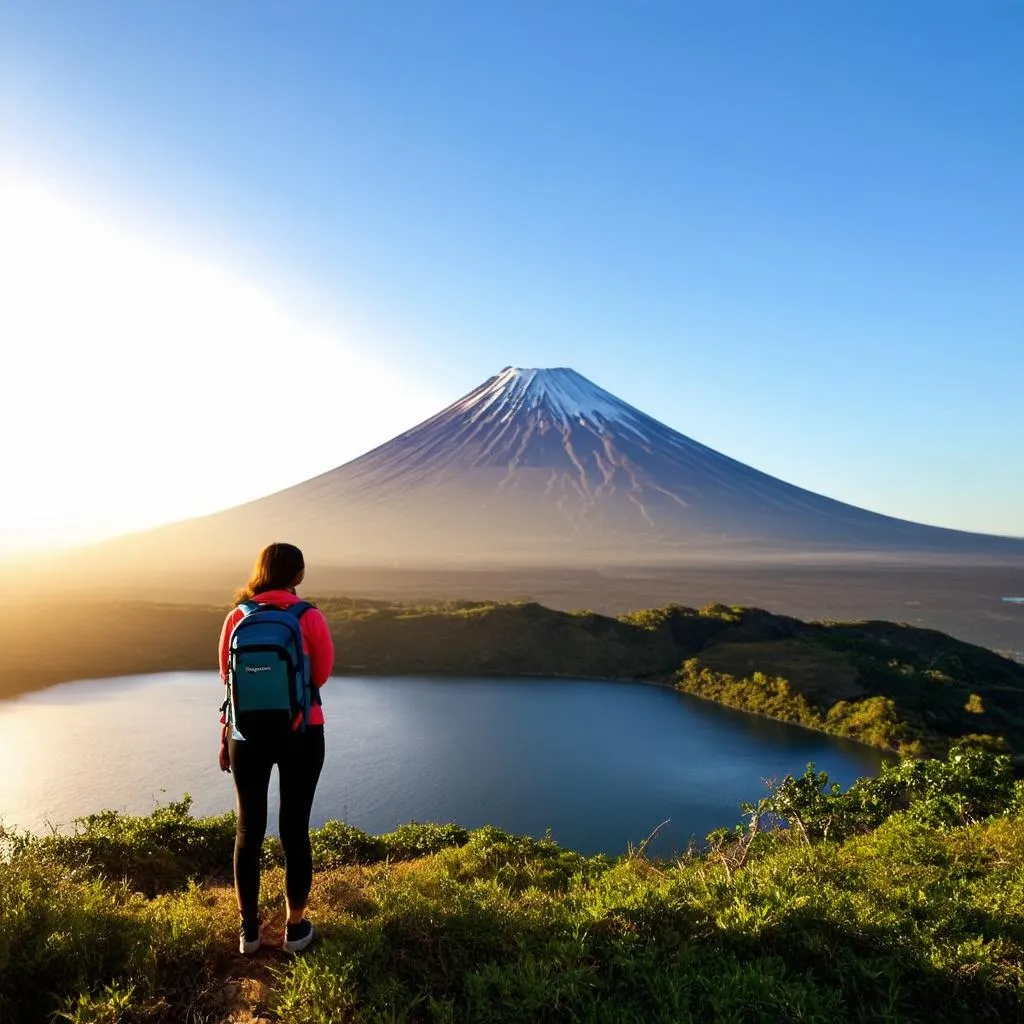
(894, 686)
(898, 901)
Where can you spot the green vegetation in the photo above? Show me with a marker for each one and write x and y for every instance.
(873, 720)
(911, 690)
(897, 900)
(915, 691)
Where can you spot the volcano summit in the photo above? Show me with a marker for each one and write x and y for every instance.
(545, 467)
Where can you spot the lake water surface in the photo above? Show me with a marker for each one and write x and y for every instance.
(600, 764)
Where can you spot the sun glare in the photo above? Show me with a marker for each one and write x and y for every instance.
(134, 372)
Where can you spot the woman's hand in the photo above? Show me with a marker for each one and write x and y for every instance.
(225, 756)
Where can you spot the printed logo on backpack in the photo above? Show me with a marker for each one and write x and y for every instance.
(269, 685)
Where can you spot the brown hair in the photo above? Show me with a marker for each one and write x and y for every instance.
(278, 566)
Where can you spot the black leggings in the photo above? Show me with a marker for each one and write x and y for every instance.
(299, 759)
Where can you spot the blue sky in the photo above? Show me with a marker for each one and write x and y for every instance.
(793, 231)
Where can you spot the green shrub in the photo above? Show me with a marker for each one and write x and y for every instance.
(975, 705)
(721, 611)
(338, 843)
(652, 619)
(151, 853)
(415, 839)
(972, 783)
(758, 693)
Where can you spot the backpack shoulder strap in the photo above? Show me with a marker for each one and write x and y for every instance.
(298, 610)
(248, 607)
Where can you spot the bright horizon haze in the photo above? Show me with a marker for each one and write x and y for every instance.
(793, 232)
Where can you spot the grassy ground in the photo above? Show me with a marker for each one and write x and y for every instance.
(900, 900)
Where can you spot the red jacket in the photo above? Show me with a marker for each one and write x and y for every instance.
(316, 640)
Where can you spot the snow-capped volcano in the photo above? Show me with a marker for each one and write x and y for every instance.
(543, 466)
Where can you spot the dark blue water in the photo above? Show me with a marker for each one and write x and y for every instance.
(599, 764)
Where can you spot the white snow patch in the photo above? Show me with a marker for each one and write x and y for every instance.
(565, 395)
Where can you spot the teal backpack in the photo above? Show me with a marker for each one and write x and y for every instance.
(270, 690)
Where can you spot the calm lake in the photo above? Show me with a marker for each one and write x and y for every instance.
(600, 764)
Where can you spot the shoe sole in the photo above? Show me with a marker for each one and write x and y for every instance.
(300, 944)
(247, 948)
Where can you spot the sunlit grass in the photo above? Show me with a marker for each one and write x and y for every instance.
(913, 915)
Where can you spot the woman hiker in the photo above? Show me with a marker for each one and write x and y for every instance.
(273, 716)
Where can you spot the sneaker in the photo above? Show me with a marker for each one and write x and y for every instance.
(249, 937)
(297, 936)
